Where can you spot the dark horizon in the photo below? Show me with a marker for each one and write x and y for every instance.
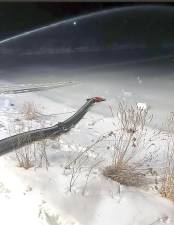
(18, 17)
(109, 37)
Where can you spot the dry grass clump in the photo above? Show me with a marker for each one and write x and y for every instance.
(30, 110)
(24, 157)
(125, 175)
(167, 185)
(33, 155)
(130, 139)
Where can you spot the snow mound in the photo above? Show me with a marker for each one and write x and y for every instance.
(142, 105)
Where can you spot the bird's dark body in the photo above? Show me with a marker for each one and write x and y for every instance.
(19, 140)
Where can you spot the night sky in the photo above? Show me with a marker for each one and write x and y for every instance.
(122, 33)
(17, 17)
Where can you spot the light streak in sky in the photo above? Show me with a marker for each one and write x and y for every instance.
(73, 20)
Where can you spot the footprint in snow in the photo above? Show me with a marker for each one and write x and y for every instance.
(162, 220)
(3, 189)
(48, 216)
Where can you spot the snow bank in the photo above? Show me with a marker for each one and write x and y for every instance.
(142, 105)
(42, 197)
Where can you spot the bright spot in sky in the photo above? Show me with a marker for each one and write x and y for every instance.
(139, 80)
(74, 23)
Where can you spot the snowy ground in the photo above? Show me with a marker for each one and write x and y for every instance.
(41, 196)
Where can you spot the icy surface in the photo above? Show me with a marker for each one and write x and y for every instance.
(41, 197)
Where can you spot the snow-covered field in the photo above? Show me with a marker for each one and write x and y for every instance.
(116, 54)
(41, 196)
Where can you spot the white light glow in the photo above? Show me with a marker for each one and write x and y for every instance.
(74, 23)
(67, 21)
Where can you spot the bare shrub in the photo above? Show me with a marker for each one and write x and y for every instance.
(41, 159)
(30, 110)
(128, 166)
(167, 185)
(81, 163)
(132, 118)
(131, 134)
(24, 157)
(31, 155)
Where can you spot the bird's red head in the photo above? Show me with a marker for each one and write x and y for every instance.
(98, 99)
